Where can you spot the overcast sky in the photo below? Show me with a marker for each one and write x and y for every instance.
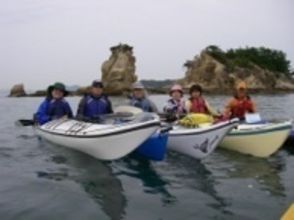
(43, 41)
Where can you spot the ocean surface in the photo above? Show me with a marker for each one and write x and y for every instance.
(39, 180)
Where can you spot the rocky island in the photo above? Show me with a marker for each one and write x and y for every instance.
(264, 70)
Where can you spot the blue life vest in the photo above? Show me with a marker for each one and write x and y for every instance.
(52, 109)
(96, 106)
(143, 104)
(57, 108)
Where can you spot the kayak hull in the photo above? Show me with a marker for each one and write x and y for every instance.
(199, 142)
(258, 140)
(154, 148)
(103, 142)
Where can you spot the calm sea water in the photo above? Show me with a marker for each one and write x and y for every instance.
(41, 181)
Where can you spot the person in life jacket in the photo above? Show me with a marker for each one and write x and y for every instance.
(240, 104)
(197, 104)
(175, 106)
(54, 106)
(94, 104)
(139, 99)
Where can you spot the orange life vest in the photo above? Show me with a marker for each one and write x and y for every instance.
(198, 105)
(240, 107)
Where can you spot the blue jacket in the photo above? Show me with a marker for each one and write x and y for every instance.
(91, 107)
(145, 104)
(51, 109)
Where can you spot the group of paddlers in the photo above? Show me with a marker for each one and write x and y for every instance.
(96, 103)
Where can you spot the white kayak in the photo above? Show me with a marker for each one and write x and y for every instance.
(260, 140)
(102, 141)
(199, 142)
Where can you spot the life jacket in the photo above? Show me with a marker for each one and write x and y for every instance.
(240, 107)
(58, 108)
(175, 107)
(143, 104)
(96, 106)
(198, 105)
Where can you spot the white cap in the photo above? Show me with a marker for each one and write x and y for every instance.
(138, 85)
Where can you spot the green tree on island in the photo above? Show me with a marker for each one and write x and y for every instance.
(273, 60)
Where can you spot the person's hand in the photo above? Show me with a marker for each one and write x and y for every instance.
(65, 117)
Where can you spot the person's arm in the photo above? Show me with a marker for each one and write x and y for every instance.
(109, 106)
(211, 109)
(228, 108)
(69, 111)
(81, 108)
(153, 107)
(41, 115)
(168, 107)
(188, 106)
(253, 107)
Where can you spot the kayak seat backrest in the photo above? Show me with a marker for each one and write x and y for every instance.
(143, 117)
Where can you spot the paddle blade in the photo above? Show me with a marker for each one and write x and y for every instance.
(25, 122)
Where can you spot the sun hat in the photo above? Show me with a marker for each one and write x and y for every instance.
(176, 87)
(59, 86)
(138, 85)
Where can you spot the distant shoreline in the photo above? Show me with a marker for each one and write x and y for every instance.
(160, 92)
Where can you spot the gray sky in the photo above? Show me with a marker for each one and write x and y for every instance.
(67, 40)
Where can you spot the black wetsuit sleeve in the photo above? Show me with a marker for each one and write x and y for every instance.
(109, 106)
(81, 108)
(69, 111)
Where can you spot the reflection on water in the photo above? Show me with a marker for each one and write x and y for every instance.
(95, 177)
(194, 174)
(142, 169)
(289, 146)
(265, 170)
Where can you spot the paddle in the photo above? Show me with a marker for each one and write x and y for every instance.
(166, 128)
(118, 115)
(25, 122)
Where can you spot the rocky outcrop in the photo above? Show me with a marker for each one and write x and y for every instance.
(215, 77)
(17, 91)
(39, 93)
(118, 72)
(207, 72)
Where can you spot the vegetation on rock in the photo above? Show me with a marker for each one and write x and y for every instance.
(270, 59)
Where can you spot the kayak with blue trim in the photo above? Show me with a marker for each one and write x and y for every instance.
(154, 148)
(108, 141)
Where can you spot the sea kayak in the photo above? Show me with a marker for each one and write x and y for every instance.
(260, 140)
(103, 141)
(201, 141)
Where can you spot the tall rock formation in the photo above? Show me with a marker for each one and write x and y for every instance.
(118, 72)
